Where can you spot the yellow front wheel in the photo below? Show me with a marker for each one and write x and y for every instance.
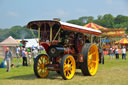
(40, 68)
(67, 67)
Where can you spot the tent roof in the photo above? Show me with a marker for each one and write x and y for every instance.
(94, 26)
(123, 41)
(32, 42)
(10, 41)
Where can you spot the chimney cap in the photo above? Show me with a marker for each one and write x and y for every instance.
(56, 19)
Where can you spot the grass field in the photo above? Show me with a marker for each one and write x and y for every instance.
(113, 72)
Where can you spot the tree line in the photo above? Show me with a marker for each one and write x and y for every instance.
(107, 20)
(17, 32)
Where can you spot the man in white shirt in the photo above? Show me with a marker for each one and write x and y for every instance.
(17, 54)
(123, 52)
(34, 54)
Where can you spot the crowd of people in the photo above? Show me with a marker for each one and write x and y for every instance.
(115, 52)
(27, 54)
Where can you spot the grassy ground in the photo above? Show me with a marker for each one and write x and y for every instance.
(113, 72)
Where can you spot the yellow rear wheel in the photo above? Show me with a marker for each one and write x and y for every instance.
(91, 59)
(40, 68)
(67, 67)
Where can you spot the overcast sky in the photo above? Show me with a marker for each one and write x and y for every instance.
(20, 12)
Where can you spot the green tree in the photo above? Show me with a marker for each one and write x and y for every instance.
(17, 32)
(77, 22)
(106, 21)
(121, 19)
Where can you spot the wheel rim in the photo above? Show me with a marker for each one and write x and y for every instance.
(41, 66)
(93, 59)
(69, 67)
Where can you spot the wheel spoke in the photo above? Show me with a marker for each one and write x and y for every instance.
(42, 62)
(39, 71)
(45, 61)
(66, 68)
(68, 74)
(90, 56)
(94, 64)
(39, 61)
(38, 64)
(71, 64)
(94, 61)
(90, 68)
(38, 67)
(90, 65)
(68, 61)
(93, 53)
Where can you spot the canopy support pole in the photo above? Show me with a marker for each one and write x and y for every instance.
(91, 38)
(56, 34)
(51, 34)
(33, 34)
(100, 45)
(38, 34)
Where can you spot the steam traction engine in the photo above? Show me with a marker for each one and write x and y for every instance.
(67, 49)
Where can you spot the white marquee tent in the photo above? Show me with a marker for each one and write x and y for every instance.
(9, 42)
(31, 42)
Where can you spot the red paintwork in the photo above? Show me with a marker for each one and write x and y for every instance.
(81, 58)
(69, 51)
(53, 67)
(45, 45)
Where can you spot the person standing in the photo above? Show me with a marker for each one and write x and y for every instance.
(100, 54)
(29, 56)
(20, 51)
(17, 54)
(34, 54)
(8, 56)
(117, 53)
(111, 53)
(17, 51)
(123, 52)
(24, 58)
